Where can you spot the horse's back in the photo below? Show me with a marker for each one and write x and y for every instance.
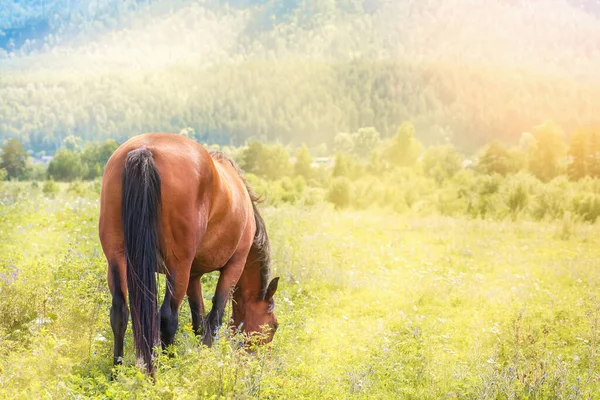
(204, 203)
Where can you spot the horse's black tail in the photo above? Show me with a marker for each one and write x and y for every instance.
(140, 209)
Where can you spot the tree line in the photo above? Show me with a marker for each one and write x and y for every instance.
(546, 175)
(70, 162)
(546, 152)
(293, 103)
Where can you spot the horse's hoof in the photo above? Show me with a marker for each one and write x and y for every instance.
(207, 341)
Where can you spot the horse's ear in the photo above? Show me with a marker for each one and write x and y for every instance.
(271, 289)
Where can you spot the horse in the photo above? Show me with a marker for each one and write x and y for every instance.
(170, 206)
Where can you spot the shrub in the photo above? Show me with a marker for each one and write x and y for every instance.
(449, 202)
(50, 188)
(2, 176)
(78, 188)
(587, 206)
(550, 200)
(339, 192)
(517, 198)
(312, 196)
(441, 162)
(484, 200)
(368, 192)
(347, 166)
(516, 193)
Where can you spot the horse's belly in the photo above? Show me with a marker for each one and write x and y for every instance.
(214, 252)
(210, 260)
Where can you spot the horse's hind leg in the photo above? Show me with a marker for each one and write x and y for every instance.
(177, 284)
(119, 313)
(194, 293)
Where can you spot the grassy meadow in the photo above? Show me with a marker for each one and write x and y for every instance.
(371, 304)
(432, 180)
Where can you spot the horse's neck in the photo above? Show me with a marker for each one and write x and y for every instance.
(247, 289)
(249, 283)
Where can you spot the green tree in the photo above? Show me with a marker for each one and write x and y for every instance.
(302, 166)
(276, 164)
(346, 165)
(547, 151)
(495, 159)
(67, 166)
(252, 157)
(365, 140)
(268, 161)
(72, 142)
(343, 142)
(405, 148)
(95, 156)
(106, 150)
(13, 159)
(578, 155)
(592, 162)
(441, 162)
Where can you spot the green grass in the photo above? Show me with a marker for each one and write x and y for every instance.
(371, 305)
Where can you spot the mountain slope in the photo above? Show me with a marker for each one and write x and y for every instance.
(471, 70)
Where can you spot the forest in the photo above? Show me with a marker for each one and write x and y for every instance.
(298, 72)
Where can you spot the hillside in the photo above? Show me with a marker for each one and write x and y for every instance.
(298, 71)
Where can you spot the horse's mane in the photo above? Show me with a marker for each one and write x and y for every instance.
(261, 240)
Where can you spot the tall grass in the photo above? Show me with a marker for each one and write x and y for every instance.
(371, 304)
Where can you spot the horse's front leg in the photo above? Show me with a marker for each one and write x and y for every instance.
(230, 274)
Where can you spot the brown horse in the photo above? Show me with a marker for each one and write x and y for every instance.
(170, 206)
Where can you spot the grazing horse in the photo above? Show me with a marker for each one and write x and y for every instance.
(169, 206)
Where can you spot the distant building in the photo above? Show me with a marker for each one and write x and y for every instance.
(323, 162)
(45, 160)
(468, 164)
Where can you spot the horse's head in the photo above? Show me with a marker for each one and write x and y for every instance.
(254, 314)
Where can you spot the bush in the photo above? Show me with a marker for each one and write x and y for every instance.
(312, 196)
(415, 187)
(484, 199)
(368, 191)
(78, 188)
(35, 172)
(441, 162)
(347, 166)
(2, 176)
(339, 192)
(516, 193)
(50, 188)
(551, 201)
(450, 203)
(517, 198)
(587, 206)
